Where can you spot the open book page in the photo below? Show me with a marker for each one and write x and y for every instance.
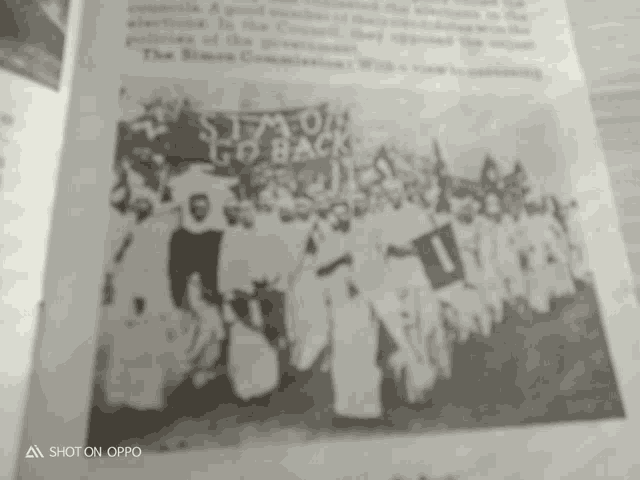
(330, 239)
(35, 38)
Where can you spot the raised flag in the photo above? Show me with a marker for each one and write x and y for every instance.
(490, 175)
(440, 257)
(383, 163)
(440, 167)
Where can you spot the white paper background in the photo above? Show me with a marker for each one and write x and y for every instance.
(57, 410)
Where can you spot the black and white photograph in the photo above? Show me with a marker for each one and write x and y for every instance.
(32, 39)
(292, 262)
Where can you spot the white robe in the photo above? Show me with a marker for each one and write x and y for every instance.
(119, 226)
(439, 345)
(469, 313)
(579, 253)
(492, 287)
(356, 378)
(409, 306)
(144, 359)
(469, 239)
(235, 269)
(211, 327)
(253, 363)
(307, 313)
(400, 227)
(564, 285)
(307, 324)
(545, 278)
(291, 241)
(265, 254)
(402, 274)
(421, 371)
(509, 241)
(365, 242)
(144, 269)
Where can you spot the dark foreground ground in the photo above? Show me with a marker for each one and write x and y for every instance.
(532, 369)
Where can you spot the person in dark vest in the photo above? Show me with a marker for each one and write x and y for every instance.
(195, 247)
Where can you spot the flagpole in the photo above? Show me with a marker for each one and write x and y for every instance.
(300, 260)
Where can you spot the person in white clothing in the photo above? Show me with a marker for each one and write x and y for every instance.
(307, 320)
(466, 226)
(289, 240)
(307, 313)
(138, 272)
(237, 253)
(438, 338)
(579, 252)
(407, 304)
(512, 246)
(119, 236)
(279, 249)
(565, 285)
(547, 276)
(467, 229)
(378, 202)
(266, 201)
(494, 288)
(427, 353)
(534, 261)
(356, 377)
(441, 257)
(147, 357)
(205, 347)
(240, 269)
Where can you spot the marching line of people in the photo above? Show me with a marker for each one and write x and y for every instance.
(424, 261)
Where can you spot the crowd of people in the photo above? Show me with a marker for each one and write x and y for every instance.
(430, 258)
